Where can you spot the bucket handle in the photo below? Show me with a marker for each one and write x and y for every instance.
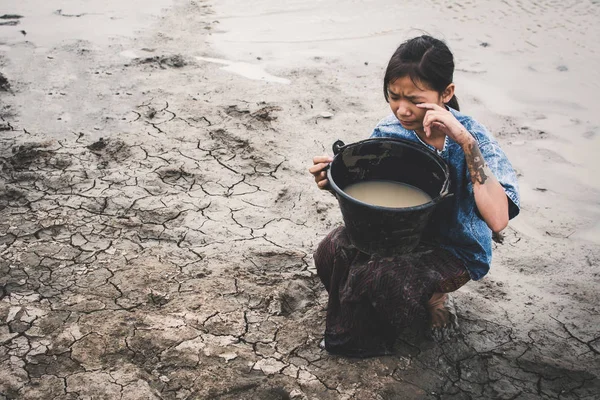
(337, 147)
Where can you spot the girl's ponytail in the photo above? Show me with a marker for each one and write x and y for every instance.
(453, 103)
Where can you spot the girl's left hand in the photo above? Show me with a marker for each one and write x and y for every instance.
(440, 119)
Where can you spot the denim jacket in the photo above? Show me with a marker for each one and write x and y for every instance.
(458, 226)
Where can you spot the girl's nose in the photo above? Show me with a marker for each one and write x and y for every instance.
(402, 111)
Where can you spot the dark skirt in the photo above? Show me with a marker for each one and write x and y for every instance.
(373, 299)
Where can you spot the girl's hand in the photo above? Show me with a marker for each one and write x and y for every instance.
(442, 120)
(319, 163)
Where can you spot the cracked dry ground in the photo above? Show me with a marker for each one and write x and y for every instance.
(160, 268)
(171, 259)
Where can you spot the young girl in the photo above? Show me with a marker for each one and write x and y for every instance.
(372, 299)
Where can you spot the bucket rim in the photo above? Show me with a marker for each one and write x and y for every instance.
(416, 146)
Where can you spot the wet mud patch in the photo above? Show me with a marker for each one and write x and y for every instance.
(296, 296)
(5, 126)
(226, 139)
(176, 177)
(233, 150)
(274, 261)
(98, 146)
(110, 150)
(266, 113)
(53, 232)
(161, 216)
(10, 197)
(4, 84)
(6, 113)
(29, 155)
(163, 62)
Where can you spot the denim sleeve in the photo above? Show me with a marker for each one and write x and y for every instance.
(504, 172)
(376, 133)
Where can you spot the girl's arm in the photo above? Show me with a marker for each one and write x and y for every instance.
(490, 197)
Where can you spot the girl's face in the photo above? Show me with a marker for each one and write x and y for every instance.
(404, 96)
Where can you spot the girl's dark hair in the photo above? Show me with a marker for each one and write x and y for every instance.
(424, 59)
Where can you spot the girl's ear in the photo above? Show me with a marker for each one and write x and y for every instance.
(448, 93)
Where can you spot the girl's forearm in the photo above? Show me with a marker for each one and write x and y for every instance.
(490, 197)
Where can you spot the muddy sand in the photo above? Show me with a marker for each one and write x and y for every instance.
(157, 221)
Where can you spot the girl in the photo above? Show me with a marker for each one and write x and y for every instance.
(372, 299)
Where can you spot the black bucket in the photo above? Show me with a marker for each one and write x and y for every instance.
(383, 230)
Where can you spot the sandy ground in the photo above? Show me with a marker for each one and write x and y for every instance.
(157, 220)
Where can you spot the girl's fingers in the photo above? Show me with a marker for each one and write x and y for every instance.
(426, 119)
(322, 159)
(322, 184)
(317, 167)
(430, 114)
(319, 162)
(430, 117)
(440, 119)
(436, 114)
(433, 120)
(320, 177)
(430, 106)
(426, 125)
(434, 117)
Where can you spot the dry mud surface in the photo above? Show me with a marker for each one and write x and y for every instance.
(157, 225)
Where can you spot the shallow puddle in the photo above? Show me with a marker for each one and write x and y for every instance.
(48, 24)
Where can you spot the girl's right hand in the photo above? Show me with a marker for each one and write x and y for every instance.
(319, 163)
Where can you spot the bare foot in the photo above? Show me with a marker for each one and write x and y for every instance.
(440, 316)
(443, 316)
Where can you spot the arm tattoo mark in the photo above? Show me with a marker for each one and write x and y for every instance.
(479, 170)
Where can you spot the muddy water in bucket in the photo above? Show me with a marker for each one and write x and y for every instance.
(385, 230)
(387, 194)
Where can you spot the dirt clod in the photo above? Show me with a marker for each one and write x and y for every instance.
(4, 84)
